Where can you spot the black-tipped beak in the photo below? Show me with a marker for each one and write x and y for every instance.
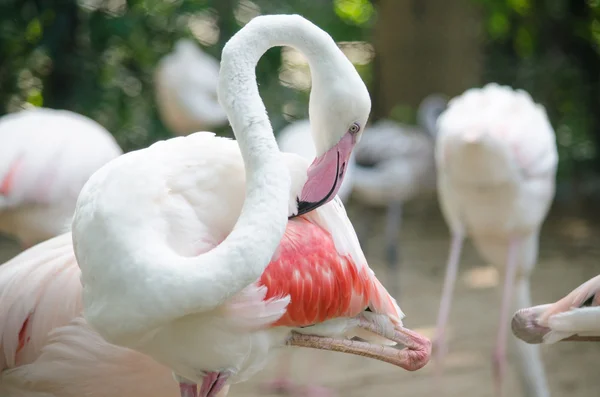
(306, 206)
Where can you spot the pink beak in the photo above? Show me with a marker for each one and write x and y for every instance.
(325, 175)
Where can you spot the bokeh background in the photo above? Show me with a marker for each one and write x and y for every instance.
(98, 57)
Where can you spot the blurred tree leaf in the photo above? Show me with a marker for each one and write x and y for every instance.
(551, 49)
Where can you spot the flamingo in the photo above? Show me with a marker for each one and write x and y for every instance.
(496, 159)
(395, 164)
(163, 253)
(294, 138)
(576, 317)
(47, 155)
(186, 89)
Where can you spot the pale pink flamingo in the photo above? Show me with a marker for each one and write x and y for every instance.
(46, 157)
(164, 243)
(496, 161)
(186, 90)
(576, 317)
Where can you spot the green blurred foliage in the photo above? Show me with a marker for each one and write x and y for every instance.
(551, 49)
(97, 57)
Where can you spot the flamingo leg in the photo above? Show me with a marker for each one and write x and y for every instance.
(530, 361)
(187, 388)
(499, 358)
(449, 281)
(392, 231)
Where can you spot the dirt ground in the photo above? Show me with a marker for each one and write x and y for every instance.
(569, 252)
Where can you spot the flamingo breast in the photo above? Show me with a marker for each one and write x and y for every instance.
(322, 283)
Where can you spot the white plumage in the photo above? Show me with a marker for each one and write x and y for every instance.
(186, 90)
(496, 159)
(46, 157)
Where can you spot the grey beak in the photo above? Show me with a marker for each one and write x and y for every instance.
(525, 327)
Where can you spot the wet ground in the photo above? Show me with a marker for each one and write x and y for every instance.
(569, 255)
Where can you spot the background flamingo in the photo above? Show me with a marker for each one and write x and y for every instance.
(186, 89)
(395, 164)
(496, 160)
(46, 157)
(576, 317)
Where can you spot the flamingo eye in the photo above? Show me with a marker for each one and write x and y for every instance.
(354, 128)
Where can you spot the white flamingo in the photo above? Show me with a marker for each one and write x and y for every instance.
(186, 90)
(395, 164)
(496, 159)
(164, 256)
(46, 157)
(576, 317)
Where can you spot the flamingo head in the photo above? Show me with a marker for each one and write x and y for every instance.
(572, 318)
(338, 111)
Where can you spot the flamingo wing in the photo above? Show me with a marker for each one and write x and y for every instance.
(321, 266)
(39, 290)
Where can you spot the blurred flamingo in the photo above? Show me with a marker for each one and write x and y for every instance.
(173, 258)
(576, 317)
(47, 155)
(395, 164)
(186, 90)
(496, 160)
